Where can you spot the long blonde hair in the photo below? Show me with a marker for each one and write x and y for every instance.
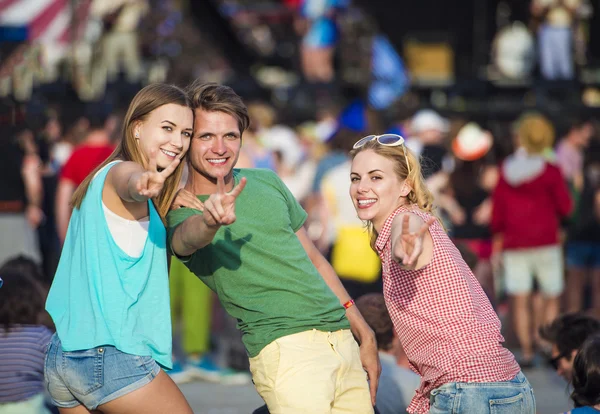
(144, 102)
(419, 195)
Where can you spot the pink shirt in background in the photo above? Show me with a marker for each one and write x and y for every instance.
(569, 159)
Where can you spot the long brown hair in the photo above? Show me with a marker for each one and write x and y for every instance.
(419, 195)
(144, 102)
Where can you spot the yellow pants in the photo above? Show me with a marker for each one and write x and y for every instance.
(312, 372)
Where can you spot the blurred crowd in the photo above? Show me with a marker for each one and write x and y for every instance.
(522, 203)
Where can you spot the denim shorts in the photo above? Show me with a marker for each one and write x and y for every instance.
(507, 397)
(583, 255)
(94, 376)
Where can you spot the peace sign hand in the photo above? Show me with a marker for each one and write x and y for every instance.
(151, 182)
(411, 243)
(219, 209)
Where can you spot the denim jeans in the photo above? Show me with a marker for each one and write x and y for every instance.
(508, 397)
(556, 52)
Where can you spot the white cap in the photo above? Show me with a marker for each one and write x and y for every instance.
(284, 139)
(429, 119)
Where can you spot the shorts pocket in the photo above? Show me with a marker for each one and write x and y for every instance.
(265, 368)
(84, 370)
(510, 405)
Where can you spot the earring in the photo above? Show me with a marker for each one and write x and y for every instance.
(137, 134)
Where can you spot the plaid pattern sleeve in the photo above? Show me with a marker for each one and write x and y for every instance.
(444, 320)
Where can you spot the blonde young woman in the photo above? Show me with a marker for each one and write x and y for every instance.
(441, 315)
(110, 296)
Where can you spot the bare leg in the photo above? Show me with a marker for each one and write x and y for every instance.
(574, 289)
(537, 305)
(522, 324)
(159, 397)
(549, 312)
(80, 409)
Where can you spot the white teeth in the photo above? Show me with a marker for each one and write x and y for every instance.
(169, 153)
(369, 201)
(217, 161)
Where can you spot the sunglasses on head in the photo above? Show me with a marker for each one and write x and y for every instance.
(387, 140)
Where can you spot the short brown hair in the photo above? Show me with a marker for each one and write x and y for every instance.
(213, 97)
(373, 309)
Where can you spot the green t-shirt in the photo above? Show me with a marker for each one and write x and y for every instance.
(258, 267)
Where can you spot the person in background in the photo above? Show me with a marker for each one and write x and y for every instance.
(529, 202)
(586, 378)
(566, 334)
(21, 193)
(119, 42)
(96, 148)
(467, 199)
(570, 153)
(23, 340)
(556, 20)
(397, 383)
(583, 240)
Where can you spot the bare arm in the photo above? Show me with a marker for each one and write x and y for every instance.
(133, 183)
(62, 207)
(32, 179)
(198, 231)
(124, 178)
(193, 234)
(361, 330)
(34, 191)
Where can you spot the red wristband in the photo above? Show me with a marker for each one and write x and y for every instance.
(348, 304)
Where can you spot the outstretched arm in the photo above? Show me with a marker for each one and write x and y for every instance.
(133, 183)
(198, 231)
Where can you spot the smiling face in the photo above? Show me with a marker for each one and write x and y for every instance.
(215, 148)
(375, 189)
(166, 132)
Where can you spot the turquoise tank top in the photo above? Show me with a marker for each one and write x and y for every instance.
(102, 296)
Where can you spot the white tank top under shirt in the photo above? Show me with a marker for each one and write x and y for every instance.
(129, 235)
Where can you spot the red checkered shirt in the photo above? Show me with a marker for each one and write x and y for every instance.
(444, 320)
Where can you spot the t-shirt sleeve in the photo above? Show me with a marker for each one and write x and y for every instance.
(297, 214)
(70, 171)
(174, 219)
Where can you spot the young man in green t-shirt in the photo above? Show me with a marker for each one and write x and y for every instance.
(247, 243)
